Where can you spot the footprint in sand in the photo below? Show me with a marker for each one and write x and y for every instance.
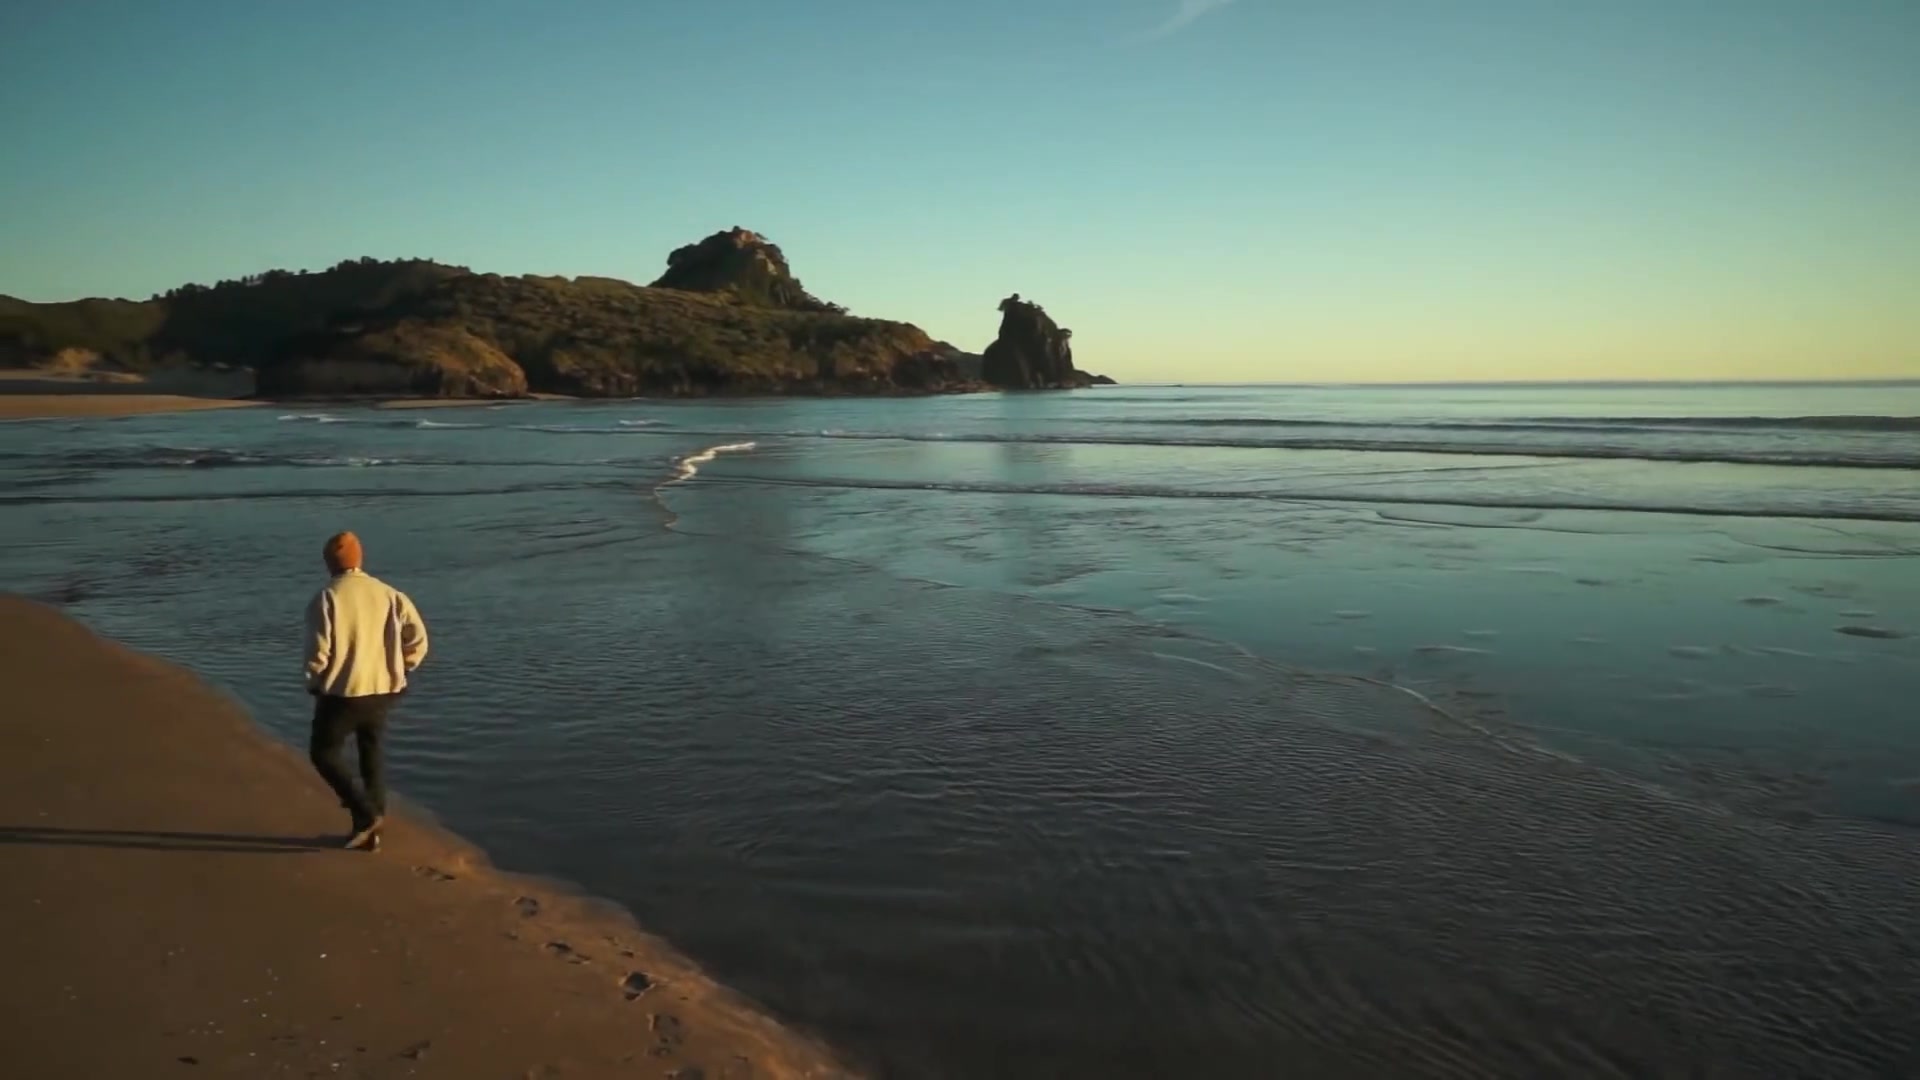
(567, 952)
(691, 1072)
(635, 984)
(527, 906)
(433, 873)
(668, 1033)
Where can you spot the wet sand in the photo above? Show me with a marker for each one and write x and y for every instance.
(175, 905)
(466, 403)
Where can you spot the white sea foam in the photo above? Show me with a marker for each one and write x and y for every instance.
(689, 466)
(349, 462)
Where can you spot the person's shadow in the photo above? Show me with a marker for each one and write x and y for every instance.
(148, 840)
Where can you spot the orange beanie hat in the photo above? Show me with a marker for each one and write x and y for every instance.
(343, 553)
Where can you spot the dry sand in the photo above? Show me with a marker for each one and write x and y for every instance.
(36, 394)
(171, 904)
(46, 406)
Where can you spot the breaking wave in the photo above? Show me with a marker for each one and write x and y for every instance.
(201, 457)
(686, 468)
(1878, 424)
(1902, 456)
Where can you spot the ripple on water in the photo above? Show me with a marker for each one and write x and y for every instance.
(1450, 650)
(1882, 633)
(1186, 869)
(910, 817)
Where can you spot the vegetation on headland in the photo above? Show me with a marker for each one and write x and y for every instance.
(728, 317)
(230, 323)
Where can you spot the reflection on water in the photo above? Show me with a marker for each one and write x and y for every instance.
(1037, 782)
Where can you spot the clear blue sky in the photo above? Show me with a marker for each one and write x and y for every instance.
(1248, 190)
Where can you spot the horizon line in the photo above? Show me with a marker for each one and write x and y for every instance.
(1894, 380)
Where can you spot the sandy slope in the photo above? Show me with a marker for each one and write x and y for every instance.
(171, 905)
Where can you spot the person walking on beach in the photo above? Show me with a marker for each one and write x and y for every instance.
(363, 638)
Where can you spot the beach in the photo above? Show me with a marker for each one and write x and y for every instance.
(1177, 731)
(32, 394)
(29, 394)
(52, 406)
(176, 905)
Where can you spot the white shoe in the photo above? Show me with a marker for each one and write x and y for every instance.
(367, 839)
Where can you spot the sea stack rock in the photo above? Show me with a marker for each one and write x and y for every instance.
(744, 264)
(1032, 351)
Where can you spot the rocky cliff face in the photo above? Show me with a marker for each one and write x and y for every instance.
(1032, 351)
(403, 359)
(743, 264)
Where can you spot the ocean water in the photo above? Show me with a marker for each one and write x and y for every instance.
(1416, 731)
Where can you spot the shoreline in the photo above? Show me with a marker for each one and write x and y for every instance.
(29, 394)
(172, 870)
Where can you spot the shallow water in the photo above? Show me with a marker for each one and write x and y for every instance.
(1396, 731)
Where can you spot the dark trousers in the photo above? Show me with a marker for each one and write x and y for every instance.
(364, 718)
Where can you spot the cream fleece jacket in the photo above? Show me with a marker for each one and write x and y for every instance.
(363, 637)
